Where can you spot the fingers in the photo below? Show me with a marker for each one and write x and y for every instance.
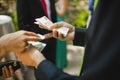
(26, 38)
(48, 35)
(3, 72)
(30, 33)
(31, 38)
(12, 72)
(58, 35)
(55, 33)
(63, 24)
(41, 26)
(61, 37)
(7, 72)
(57, 25)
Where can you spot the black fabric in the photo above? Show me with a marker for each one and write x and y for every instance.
(47, 71)
(101, 61)
(80, 36)
(103, 43)
(27, 12)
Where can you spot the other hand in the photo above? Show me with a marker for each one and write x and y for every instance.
(56, 34)
(17, 41)
(7, 72)
(31, 57)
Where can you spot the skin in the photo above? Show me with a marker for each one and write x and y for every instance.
(56, 34)
(34, 57)
(63, 7)
(7, 72)
(16, 42)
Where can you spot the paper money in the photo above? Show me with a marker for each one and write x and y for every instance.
(39, 45)
(45, 22)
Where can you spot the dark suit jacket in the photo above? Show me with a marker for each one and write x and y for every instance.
(101, 59)
(27, 12)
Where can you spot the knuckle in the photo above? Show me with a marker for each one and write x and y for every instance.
(23, 38)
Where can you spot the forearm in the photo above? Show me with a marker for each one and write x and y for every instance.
(38, 58)
(45, 70)
(48, 71)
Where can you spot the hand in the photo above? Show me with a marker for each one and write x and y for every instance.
(31, 57)
(7, 72)
(56, 34)
(16, 42)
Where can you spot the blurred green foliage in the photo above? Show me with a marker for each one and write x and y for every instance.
(74, 3)
(81, 19)
(14, 16)
(78, 13)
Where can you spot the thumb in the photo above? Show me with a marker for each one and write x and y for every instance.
(48, 35)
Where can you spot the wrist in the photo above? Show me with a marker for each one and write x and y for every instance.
(37, 57)
(38, 62)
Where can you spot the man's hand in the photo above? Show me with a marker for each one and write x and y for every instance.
(8, 72)
(56, 34)
(16, 42)
(31, 57)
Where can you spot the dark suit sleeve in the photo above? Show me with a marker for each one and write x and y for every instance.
(23, 14)
(80, 36)
(47, 71)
